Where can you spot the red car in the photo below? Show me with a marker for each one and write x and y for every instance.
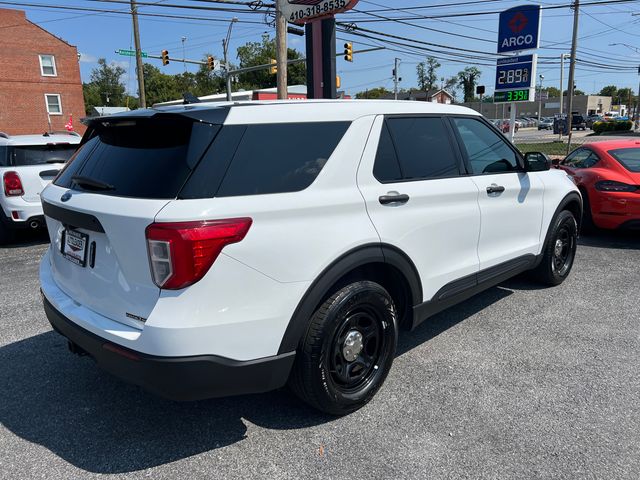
(608, 175)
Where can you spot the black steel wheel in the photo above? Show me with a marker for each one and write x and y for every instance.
(348, 350)
(559, 251)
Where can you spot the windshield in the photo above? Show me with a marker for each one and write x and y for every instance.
(24, 155)
(629, 158)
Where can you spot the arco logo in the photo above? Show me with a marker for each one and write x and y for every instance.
(518, 22)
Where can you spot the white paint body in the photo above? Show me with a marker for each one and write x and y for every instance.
(242, 307)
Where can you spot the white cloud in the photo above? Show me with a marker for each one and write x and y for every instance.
(88, 58)
(121, 63)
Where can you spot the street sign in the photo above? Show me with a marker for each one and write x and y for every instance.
(130, 53)
(519, 29)
(301, 11)
(513, 73)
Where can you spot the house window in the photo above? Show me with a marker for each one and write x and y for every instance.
(54, 106)
(48, 66)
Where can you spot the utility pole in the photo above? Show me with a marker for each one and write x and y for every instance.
(281, 51)
(572, 69)
(540, 99)
(136, 39)
(637, 112)
(562, 57)
(395, 78)
(225, 51)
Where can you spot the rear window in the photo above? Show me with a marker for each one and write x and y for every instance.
(142, 158)
(628, 157)
(264, 158)
(24, 155)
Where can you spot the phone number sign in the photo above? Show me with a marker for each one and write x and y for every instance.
(301, 11)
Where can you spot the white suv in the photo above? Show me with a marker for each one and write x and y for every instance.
(27, 164)
(203, 250)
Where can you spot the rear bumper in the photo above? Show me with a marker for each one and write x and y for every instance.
(176, 378)
(16, 213)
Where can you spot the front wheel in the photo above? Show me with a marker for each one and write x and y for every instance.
(348, 349)
(559, 251)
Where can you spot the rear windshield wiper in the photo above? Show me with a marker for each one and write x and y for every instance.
(91, 183)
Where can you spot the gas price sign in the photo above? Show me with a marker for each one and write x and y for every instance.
(515, 75)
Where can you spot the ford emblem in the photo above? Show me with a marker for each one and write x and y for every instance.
(65, 196)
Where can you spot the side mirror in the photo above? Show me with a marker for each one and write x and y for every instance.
(556, 162)
(537, 162)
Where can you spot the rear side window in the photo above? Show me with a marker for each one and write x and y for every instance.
(487, 150)
(386, 167)
(628, 157)
(264, 158)
(423, 147)
(142, 158)
(581, 158)
(278, 158)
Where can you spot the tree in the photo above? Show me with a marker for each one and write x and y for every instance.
(578, 92)
(105, 86)
(609, 91)
(467, 79)
(261, 53)
(552, 92)
(451, 85)
(625, 96)
(374, 93)
(427, 73)
(159, 87)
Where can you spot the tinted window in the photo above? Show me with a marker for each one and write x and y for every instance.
(4, 160)
(423, 147)
(581, 158)
(144, 158)
(386, 168)
(628, 157)
(279, 158)
(487, 151)
(38, 154)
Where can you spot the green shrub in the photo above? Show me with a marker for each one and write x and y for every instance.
(599, 127)
(623, 125)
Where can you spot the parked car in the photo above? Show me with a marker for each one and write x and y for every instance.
(591, 119)
(206, 250)
(504, 126)
(577, 123)
(608, 176)
(546, 123)
(27, 164)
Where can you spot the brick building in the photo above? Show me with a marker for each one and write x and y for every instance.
(39, 78)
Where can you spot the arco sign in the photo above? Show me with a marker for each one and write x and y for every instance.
(519, 29)
(302, 11)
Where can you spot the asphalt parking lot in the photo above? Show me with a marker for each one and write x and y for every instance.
(516, 383)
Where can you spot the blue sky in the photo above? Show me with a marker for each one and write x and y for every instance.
(98, 35)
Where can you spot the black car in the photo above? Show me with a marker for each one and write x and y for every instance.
(591, 119)
(578, 122)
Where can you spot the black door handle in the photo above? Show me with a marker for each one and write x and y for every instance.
(495, 189)
(398, 198)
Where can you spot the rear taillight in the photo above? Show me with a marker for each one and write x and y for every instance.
(612, 186)
(181, 253)
(12, 185)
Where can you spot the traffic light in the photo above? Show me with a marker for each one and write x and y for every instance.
(210, 62)
(338, 81)
(165, 57)
(273, 69)
(348, 52)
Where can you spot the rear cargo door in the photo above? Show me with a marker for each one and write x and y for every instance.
(99, 207)
(37, 165)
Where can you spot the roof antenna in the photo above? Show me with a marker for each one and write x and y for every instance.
(189, 97)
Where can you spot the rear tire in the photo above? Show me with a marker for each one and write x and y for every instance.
(348, 349)
(559, 251)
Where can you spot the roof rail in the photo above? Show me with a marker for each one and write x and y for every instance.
(4, 135)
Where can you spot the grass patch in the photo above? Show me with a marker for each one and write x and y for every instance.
(551, 148)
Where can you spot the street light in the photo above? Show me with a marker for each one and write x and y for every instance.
(540, 99)
(636, 49)
(225, 49)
